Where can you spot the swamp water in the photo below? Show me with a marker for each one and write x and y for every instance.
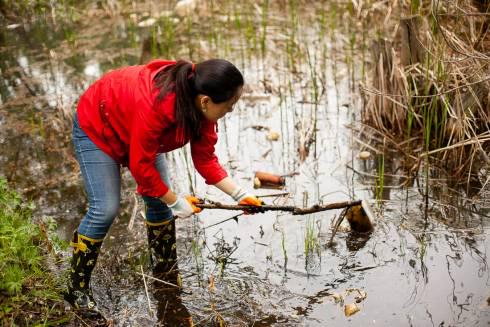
(418, 268)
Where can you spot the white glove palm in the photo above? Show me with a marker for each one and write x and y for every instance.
(245, 198)
(184, 207)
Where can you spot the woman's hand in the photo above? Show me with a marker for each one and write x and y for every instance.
(254, 202)
(241, 196)
(246, 199)
(185, 206)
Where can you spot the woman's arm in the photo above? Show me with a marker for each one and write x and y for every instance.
(169, 197)
(227, 185)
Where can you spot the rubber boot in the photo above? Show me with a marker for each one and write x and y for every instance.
(79, 295)
(163, 249)
(163, 256)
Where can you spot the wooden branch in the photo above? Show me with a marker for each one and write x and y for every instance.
(294, 210)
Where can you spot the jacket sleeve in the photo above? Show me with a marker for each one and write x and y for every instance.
(144, 144)
(203, 156)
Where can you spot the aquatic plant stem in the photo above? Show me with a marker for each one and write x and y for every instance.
(157, 279)
(146, 291)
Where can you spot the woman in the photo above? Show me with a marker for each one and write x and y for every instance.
(130, 117)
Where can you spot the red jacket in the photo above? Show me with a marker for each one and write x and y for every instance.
(118, 114)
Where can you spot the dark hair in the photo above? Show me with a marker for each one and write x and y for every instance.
(217, 78)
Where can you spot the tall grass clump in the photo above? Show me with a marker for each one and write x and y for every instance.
(428, 88)
(380, 180)
(265, 19)
(58, 12)
(311, 241)
(25, 284)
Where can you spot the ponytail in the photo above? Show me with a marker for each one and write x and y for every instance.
(177, 79)
(216, 78)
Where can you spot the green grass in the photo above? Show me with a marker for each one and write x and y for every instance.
(312, 241)
(25, 284)
(197, 254)
(380, 180)
(265, 19)
(283, 246)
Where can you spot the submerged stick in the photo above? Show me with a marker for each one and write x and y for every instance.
(336, 226)
(146, 291)
(294, 210)
(158, 280)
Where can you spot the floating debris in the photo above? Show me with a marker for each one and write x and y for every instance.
(362, 295)
(350, 309)
(272, 136)
(260, 128)
(257, 183)
(364, 155)
(337, 298)
(268, 180)
(359, 218)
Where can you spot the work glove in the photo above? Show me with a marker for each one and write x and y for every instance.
(247, 199)
(185, 206)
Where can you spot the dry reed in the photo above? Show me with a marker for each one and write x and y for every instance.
(430, 85)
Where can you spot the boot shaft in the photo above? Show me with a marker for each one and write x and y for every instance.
(85, 253)
(162, 245)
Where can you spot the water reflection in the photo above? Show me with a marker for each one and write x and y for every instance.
(356, 241)
(171, 311)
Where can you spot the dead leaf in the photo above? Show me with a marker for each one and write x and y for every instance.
(351, 309)
(273, 136)
(338, 298)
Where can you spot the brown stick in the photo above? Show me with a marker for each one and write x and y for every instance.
(294, 210)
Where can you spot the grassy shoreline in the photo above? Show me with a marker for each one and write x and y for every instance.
(30, 294)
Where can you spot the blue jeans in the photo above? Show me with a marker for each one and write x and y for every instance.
(102, 180)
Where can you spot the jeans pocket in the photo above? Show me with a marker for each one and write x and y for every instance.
(77, 131)
(84, 144)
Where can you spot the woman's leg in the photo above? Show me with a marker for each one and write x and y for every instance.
(163, 255)
(157, 211)
(101, 176)
(102, 180)
(161, 228)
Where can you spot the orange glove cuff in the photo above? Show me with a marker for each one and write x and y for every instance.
(252, 201)
(192, 201)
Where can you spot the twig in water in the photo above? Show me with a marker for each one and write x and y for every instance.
(337, 225)
(161, 281)
(273, 195)
(146, 291)
(80, 318)
(235, 217)
(133, 214)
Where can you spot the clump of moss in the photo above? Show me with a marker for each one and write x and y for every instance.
(29, 293)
